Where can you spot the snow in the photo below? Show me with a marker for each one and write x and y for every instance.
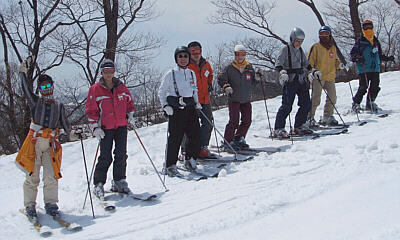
(335, 187)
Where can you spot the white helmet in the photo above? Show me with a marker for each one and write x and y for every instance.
(240, 48)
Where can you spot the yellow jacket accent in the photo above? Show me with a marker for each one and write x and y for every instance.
(26, 155)
(324, 60)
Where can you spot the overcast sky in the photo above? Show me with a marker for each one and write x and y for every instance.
(184, 21)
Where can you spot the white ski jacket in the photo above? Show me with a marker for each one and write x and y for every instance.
(185, 83)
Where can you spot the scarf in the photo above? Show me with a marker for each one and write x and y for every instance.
(369, 35)
(326, 42)
(240, 66)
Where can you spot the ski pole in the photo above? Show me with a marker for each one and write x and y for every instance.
(367, 82)
(352, 97)
(290, 121)
(330, 100)
(266, 109)
(87, 177)
(151, 161)
(230, 146)
(215, 132)
(91, 173)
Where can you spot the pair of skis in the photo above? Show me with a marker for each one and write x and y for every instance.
(45, 231)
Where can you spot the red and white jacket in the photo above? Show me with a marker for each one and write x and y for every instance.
(109, 107)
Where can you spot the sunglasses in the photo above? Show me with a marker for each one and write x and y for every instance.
(324, 33)
(368, 26)
(108, 70)
(240, 53)
(44, 86)
(183, 56)
(299, 40)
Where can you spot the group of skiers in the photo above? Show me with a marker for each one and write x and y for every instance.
(185, 97)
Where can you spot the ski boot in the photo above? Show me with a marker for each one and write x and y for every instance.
(279, 133)
(356, 108)
(31, 212)
(190, 163)
(241, 142)
(311, 122)
(98, 190)
(371, 106)
(328, 121)
(302, 130)
(171, 171)
(52, 209)
(228, 147)
(120, 186)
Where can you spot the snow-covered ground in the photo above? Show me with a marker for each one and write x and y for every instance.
(336, 187)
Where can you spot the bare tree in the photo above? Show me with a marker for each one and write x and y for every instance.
(252, 15)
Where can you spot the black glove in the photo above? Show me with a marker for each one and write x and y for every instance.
(390, 58)
(210, 88)
(360, 59)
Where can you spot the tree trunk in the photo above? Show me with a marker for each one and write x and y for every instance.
(355, 17)
(111, 19)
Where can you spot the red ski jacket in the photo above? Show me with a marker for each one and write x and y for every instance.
(109, 108)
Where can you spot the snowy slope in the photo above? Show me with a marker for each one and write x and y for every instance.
(336, 187)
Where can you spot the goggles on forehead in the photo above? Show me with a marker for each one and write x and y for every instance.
(44, 86)
(109, 70)
(195, 51)
(240, 53)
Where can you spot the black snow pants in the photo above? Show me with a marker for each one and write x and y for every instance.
(118, 136)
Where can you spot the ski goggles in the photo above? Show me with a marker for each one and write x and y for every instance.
(240, 53)
(109, 70)
(195, 51)
(324, 33)
(367, 26)
(45, 86)
(299, 40)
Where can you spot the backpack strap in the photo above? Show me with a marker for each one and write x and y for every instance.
(175, 85)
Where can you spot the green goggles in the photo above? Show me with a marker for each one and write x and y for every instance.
(44, 86)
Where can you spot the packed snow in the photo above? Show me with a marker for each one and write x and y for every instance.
(335, 187)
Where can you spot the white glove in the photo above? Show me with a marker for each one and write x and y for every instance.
(342, 66)
(26, 64)
(131, 119)
(258, 75)
(227, 88)
(168, 110)
(283, 77)
(98, 133)
(316, 74)
(35, 127)
(75, 135)
(198, 106)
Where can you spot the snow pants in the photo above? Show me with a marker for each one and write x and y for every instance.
(50, 187)
(238, 111)
(105, 159)
(183, 121)
(330, 88)
(290, 90)
(371, 84)
(205, 128)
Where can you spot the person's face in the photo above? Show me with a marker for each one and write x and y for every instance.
(297, 42)
(195, 53)
(324, 36)
(182, 59)
(240, 56)
(46, 88)
(108, 73)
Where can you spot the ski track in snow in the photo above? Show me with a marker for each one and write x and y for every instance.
(335, 187)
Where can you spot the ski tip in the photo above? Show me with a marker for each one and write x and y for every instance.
(74, 227)
(109, 208)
